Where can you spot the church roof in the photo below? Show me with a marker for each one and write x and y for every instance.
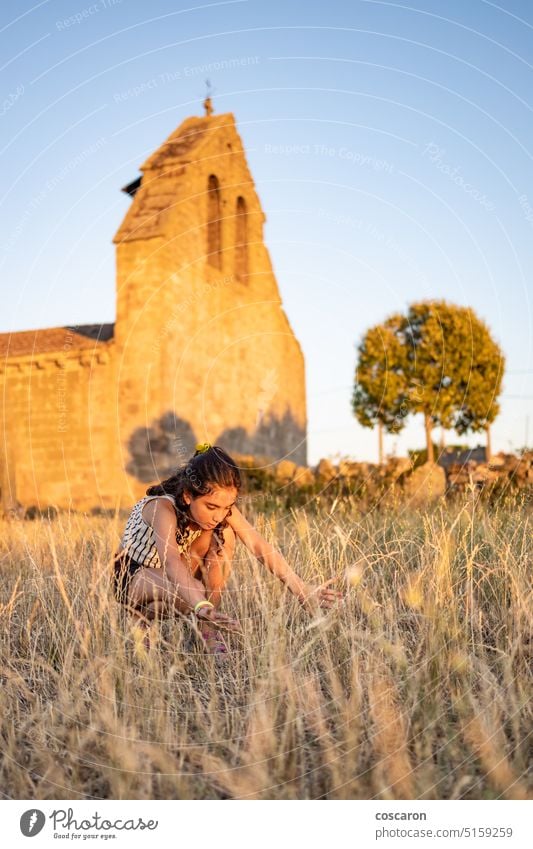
(184, 141)
(61, 339)
(155, 192)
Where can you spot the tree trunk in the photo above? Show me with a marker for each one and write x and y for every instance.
(380, 443)
(429, 440)
(488, 449)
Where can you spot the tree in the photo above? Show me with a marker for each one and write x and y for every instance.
(380, 388)
(454, 368)
(439, 360)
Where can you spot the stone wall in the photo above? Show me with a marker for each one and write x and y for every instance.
(503, 469)
(396, 481)
(60, 432)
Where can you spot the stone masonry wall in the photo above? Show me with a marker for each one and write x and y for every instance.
(60, 425)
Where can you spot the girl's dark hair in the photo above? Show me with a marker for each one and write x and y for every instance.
(204, 471)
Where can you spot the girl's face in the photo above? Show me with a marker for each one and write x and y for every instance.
(211, 509)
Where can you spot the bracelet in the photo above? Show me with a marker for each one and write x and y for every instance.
(203, 603)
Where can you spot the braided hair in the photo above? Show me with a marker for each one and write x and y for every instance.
(210, 466)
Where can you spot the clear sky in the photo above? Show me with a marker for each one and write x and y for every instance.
(390, 144)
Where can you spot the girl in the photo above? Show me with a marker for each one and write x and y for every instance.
(178, 544)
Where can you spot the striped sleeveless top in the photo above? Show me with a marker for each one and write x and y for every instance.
(138, 537)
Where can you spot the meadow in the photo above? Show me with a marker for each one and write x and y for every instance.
(417, 687)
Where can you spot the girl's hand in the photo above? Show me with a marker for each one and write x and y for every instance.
(219, 620)
(314, 597)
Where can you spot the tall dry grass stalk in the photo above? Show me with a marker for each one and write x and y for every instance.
(418, 687)
(393, 772)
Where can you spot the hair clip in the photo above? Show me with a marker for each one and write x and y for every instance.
(202, 447)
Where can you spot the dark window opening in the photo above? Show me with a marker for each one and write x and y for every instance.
(241, 239)
(214, 223)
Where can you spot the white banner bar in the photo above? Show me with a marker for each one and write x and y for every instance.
(497, 824)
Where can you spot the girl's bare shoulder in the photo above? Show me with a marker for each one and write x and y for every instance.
(156, 506)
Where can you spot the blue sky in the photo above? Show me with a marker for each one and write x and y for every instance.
(390, 144)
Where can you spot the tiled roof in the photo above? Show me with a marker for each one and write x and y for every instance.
(28, 342)
(180, 144)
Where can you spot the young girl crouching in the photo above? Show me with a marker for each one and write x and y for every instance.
(177, 548)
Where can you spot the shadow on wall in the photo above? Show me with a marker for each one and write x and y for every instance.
(273, 438)
(156, 451)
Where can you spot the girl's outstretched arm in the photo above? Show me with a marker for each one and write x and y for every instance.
(276, 563)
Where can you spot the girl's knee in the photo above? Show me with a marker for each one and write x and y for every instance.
(156, 592)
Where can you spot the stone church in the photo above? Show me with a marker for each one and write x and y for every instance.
(201, 349)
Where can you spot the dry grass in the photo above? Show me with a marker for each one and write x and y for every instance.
(419, 687)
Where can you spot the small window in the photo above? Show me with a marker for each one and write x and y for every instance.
(214, 223)
(241, 239)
